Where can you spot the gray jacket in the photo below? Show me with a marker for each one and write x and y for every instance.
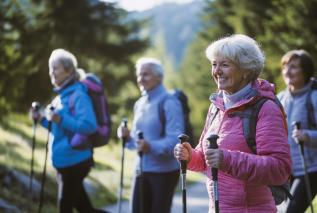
(294, 105)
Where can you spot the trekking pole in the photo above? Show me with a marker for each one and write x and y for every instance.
(125, 122)
(214, 172)
(183, 138)
(35, 108)
(297, 125)
(51, 108)
(140, 153)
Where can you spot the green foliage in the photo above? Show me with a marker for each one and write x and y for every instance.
(278, 25)
(13, 64)
(171, 27)
(291, 27)
(197, 83)
(15, 148)
(98, 34)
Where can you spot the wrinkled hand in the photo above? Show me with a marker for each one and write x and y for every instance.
(214, 157)
(123, 132)
(300, 135)
(143, 146)
(183, 152)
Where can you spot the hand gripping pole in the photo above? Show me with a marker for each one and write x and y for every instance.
(125, 123)
(297, 125)
(140, 153)
(212, 139)
(183, 167)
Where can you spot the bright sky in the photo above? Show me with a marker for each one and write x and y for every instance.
(139, 5)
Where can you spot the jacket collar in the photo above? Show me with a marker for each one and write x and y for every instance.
(259, 88)
(155, 92)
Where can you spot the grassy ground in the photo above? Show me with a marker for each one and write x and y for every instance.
(15, 148)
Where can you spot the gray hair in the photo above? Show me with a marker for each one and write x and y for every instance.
(154, 64)
(66, 58)
(242, 51)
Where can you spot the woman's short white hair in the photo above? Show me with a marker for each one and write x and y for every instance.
(242, 51)
(153, 64)
(66, 58)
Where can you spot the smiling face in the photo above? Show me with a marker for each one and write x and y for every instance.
(147, 79)
(58, 73)
(293, 74)
(227, 75)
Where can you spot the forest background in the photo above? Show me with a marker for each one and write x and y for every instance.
(107, 40)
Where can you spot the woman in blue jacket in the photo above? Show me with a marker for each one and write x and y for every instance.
(72, 165)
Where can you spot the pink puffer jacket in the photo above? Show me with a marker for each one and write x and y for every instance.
(243, 177)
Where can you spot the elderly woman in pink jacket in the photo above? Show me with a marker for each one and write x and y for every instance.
(243, 174)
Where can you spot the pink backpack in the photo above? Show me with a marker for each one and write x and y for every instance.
(101, 136)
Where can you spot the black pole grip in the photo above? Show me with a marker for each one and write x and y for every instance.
(183, 138)
(51, 107)
(298, 125)
(125, 124)
(140, 137)
(212, 139)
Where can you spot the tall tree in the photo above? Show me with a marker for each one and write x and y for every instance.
(13, 26)
(292, 26)
(98, 34)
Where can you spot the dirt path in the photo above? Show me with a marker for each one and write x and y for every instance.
(197, 201)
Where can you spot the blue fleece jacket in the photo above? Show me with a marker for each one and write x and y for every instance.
(160, 157)
(83, 121)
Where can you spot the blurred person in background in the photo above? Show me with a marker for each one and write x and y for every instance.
(72, 165)
(301, 88)
(160, 168)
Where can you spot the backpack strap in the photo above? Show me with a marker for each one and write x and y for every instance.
(310, 107)
(249, 123)
(210, 120)
(162, 113)
(249, 117)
